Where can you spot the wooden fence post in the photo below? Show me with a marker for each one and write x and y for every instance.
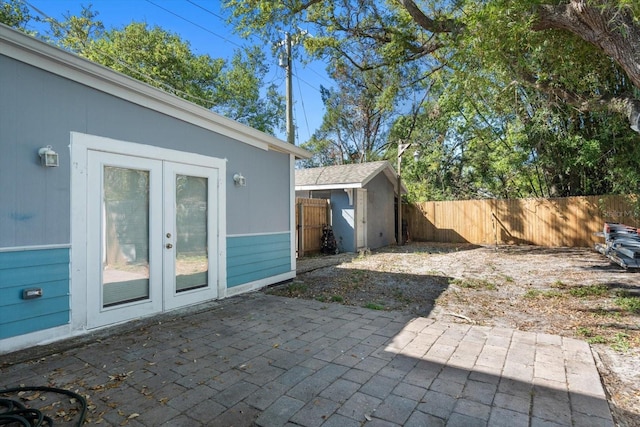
(300, 229)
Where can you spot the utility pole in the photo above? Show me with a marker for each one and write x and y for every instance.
(291, 132)
(401, 149)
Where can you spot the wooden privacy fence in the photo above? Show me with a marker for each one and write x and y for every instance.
(311, 216)
(570, 221)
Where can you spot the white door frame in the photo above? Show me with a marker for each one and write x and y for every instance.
(360, 218)
(81, 144)
(97, 315)
(172, 299)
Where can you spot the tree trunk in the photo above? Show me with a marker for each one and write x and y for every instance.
(610, 29)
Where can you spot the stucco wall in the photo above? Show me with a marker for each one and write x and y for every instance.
(38, 108)
(380, 221)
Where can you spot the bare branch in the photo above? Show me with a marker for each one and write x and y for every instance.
(610, 30)
(427, 23)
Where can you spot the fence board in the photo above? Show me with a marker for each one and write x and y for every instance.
(570, 221)
(311, 216)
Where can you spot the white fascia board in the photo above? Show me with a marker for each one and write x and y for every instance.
(327, 186)
(27, 49)
(390, 173)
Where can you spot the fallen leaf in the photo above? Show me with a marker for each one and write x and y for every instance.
(32, 397)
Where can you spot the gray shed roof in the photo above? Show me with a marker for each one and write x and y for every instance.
(344, 176)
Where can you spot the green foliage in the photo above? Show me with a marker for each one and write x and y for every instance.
(238, 92)
(357, 116)
(296, 289)
(589, 291)
(512, 133)
(629, 303)
(14, 14)
(235, 88)
(76, 33)
(471, 283)
(325, 153)
(498, 110)
(592, 338)
(374, 306)
(157, 57)
(621, 342)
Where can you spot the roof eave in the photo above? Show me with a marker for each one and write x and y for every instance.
(25, 48)
(328, 186)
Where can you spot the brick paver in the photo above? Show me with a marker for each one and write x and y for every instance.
(268, 361)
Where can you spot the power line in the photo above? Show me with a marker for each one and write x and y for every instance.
(146, 77)
(194, 24)
(304, 111)
(319, 75)
(168, 87)
(207, 10)
(308, 84)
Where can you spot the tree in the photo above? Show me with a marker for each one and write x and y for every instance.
(163, 59)
(401, 31)
(357, 118)
(14, 14)
(553, 96)
(239, 95)
(155, 56)
(526, 99)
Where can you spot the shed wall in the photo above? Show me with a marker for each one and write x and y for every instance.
(38, 108)
(380, 212)
(44, 269)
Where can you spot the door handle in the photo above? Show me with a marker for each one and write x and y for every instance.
(168, 245)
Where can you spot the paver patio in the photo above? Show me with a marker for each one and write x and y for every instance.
(269, 361)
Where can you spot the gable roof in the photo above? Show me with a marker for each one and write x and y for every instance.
(345, 176)
(22, 47)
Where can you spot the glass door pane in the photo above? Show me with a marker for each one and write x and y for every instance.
(190, 234)
(191, 255)
(125, 237)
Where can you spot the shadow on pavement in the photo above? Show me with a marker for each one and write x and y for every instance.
(268, 361)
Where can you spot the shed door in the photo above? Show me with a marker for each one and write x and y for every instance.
(361, 218)
(151, 227)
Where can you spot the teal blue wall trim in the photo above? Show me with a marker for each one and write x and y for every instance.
(47, 269)
(251, 258)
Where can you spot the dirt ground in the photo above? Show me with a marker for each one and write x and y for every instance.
(573, 292)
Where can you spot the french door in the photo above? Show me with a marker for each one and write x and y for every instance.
(152, 236)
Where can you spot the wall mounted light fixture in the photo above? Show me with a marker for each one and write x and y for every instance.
(48, 157)
(239, 180)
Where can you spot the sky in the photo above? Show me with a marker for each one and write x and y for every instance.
(202, 23)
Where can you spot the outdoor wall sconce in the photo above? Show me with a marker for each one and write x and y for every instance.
(239, 180)
(48, 157)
